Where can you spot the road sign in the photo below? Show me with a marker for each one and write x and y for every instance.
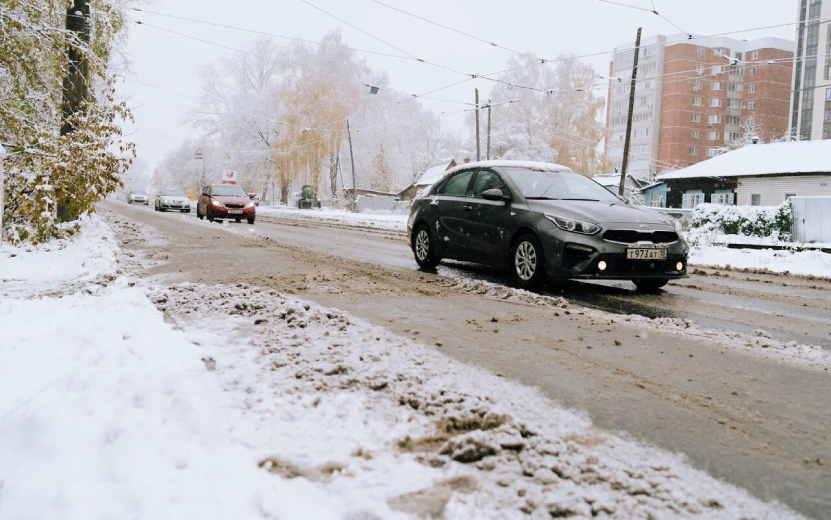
(198, 154)
(229, 177)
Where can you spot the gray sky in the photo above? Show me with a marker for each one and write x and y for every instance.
(546, 28)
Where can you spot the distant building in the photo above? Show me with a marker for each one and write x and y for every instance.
(811, 101)
(756, 175)
(611, 181)
(693, 96)
(427, 178)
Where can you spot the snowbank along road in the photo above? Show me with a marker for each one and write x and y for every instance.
(729, 385)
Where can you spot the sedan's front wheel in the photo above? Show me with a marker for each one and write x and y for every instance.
(424, 249)
(527, 262)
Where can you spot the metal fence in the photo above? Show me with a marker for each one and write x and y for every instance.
(811, 219)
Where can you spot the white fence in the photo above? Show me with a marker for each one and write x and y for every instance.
(811, 219)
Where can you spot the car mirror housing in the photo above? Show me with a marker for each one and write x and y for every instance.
(495, 194)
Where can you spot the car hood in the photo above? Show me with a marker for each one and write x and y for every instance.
(231, 200)
(175, 198)
(600, 212)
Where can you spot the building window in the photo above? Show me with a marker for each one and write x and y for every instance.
(789, 195)
(693, 150)
(696, 101)
(754, 55)
(733, 120)
(718, 53)
(691, 200)
(713, 136)
(697, 85)
(734, 104)
(656, 200)
(828, 94)
(733, 136)
(752, 88)
(641, 149)
(716, 85)
(714, 119)
(754, 71)
(751, 105)
(640, 132)
(734, 87)
(700, 51)
(756, 199)
(712, 152)
(826, 134)
(718, 69)
(828, 115)
(696, 118)
(699, 69)
(739, 56)
(716, 102)
(694, 134)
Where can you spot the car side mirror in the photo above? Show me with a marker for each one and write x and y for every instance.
(495, 194)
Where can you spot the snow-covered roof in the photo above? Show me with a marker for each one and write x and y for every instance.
(762, 159)
(433, 173)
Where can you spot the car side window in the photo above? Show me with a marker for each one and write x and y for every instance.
(457, 185)
(487, 180)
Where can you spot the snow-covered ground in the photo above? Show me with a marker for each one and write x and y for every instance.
(803, 263)
(121, 398)
(338, 217)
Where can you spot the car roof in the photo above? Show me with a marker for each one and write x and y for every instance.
(528, 165)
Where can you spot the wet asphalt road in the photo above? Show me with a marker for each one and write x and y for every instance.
(789, 308)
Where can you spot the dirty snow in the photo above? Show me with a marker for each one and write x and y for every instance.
(802, 263)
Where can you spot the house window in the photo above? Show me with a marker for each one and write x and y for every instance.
(751, 105)
(713, 136)
(714, 119)
(754, 55)
(694, 134)
(700, 51)
(716, 85)
(696, 101)
(691, 200)
(754, 71)
(699, 69)
(724, 199)
(756, 199)
(789, 195)
(696, 118)
(716, 102)
(656, 200)
(697, 85)
(751, 88)
(693, 150)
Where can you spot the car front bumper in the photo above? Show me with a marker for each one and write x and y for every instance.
(178, 206)
(580, 256)
(226, 213)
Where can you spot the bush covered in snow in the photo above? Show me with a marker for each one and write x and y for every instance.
(752, 221)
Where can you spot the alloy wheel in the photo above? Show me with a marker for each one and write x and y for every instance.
(422, 245)
(525, 261)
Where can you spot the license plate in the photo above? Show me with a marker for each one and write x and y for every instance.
(239, 212)
(646, 253)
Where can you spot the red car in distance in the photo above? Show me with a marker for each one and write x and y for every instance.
(225, 202)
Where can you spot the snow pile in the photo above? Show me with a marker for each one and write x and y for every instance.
(802, 263)
(83, 256)
(410, 430)
(337, 218)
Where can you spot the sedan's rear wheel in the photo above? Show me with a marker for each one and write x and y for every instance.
(424, 249)
(527, 262)
(650, 284)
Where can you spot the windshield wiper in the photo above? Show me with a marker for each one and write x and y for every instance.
(589, 200)
(541, 198)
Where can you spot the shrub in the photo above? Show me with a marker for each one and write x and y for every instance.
(751, 221)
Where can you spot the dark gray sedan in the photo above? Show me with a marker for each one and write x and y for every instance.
(543, 221)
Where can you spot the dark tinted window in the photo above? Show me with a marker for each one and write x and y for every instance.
(487, 180)
(561, 185)
(228, 191)
(456, 185)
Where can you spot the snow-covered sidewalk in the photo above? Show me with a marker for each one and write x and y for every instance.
(801, 263)
(127, 399)
(338, 217)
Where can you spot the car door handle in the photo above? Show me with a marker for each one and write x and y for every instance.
(467, 207)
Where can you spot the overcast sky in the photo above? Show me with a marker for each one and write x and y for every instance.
(544, 27)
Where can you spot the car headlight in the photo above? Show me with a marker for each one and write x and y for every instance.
(572, 225)
(249, 205)
(217, 203)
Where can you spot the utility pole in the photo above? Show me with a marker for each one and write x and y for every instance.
(2, 191)
(622, 186)
(75, 88)
(478, 146)
(354, 179)
(489, 131)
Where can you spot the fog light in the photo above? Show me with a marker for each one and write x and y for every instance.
(679, 266)
(601, 265)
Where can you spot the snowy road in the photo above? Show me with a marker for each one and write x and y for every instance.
(754, 422)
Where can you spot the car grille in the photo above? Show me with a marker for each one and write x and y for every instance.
(631, 236)
(234, 206)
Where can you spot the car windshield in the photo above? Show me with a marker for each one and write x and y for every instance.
(136, 192)
(561, 185)
(173, 193)
(228, 191)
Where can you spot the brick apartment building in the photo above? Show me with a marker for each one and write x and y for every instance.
(694, 97)
(811, 103)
